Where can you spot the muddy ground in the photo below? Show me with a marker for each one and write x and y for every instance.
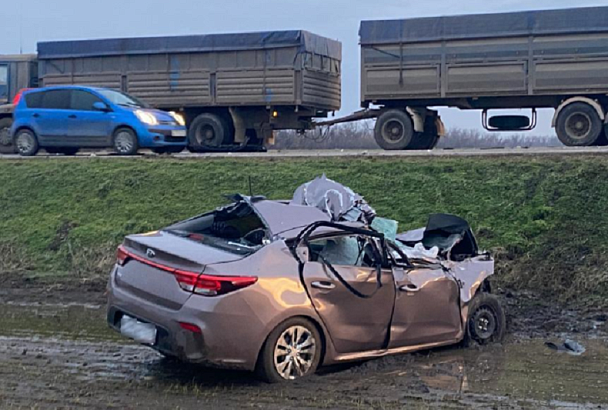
(56, 352)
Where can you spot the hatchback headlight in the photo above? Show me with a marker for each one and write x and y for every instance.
(178, 118)
(146, 117)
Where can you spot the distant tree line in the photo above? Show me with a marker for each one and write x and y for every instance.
(361, 136)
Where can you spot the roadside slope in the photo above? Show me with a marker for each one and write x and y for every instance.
(544, 217)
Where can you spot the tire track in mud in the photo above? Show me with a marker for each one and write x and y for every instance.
(63, 356)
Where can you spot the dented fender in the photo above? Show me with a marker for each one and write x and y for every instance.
(471, 274)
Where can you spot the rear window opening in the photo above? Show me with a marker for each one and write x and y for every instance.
(235, 228)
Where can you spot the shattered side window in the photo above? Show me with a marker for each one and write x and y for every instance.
(343, 251)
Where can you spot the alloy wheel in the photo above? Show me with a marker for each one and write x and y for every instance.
(123, 142)
(294, 352)
(25, 143)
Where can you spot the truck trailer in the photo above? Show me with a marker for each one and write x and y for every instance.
(525, 60)
(16, 72)
(233, 90)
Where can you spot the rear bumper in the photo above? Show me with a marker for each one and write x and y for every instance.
(231, 334)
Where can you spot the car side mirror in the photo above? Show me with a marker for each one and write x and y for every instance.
(101, 106)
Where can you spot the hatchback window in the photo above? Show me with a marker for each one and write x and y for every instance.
(3, 81)
(34, 100)
(83, 100)
(56, 99)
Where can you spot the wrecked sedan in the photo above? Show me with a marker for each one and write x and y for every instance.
(283, 287)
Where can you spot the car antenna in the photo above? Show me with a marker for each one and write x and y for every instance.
(250, 187)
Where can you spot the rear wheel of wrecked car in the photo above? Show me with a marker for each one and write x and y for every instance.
(292, 351)
(26, 143)
(6, 143)
(125, 142)
(579, 125)
(487, 322)
(394, 130)
(208, 132)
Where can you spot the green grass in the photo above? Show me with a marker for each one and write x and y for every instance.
(546, 218)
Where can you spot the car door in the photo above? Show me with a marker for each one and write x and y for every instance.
(427, 307)
(351, 293)
(49, 117)
(87, 126)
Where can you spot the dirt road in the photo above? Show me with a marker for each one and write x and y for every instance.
(56, 352)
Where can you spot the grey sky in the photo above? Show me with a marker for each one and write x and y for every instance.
(338, 19)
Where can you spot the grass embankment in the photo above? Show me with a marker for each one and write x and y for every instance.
(545, 218)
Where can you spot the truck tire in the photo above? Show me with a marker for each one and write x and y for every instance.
(208, 132)
(579, 125)
(6, 142)
(394, 130)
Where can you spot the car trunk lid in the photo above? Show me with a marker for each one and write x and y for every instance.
(162, 268)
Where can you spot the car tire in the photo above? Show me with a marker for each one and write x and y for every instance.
(486, 322)
(6, 142)
(208, 132)
(579, 125)
(282, 367)
(125, 142)
(394, 130)
(26, 143)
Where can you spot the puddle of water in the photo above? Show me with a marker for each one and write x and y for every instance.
(524, 370)
(75, 340)
(69, 321)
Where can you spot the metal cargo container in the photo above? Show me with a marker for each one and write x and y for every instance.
(512, 60)
(16, 72)
(253, 83)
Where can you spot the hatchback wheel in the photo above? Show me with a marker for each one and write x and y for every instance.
(125, 142)
(487, 321)
(292, 351)
(26, 143)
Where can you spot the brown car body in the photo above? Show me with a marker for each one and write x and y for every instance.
(387, 306)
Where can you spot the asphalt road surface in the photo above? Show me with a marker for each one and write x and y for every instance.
(342, 153)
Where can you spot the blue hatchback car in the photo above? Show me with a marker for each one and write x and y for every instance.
(65, 119)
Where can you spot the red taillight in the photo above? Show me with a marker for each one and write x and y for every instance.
(18, 96)
(194, 282)
(207, 285)
(121, 255)
(190, 327)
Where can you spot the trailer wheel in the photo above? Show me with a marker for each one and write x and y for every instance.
(579, 125)
(394, 130)
(208, 131)
(6, 142)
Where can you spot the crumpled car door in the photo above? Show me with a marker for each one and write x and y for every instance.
(354, 301)
(427, 307)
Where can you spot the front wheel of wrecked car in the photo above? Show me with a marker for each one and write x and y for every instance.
(486, 323)
(291, 351)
